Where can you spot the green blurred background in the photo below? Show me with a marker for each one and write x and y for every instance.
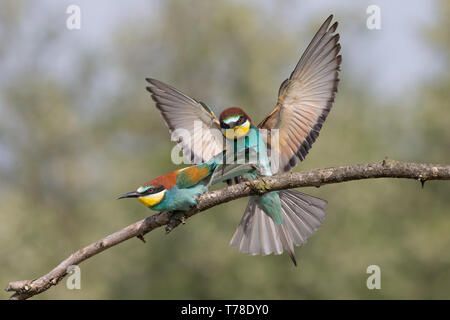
(77, 129)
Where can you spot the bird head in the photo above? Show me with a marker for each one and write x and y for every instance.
(234, 123)
(148, 195)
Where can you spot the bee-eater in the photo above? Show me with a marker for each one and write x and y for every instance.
(179, 189)
(275, 220)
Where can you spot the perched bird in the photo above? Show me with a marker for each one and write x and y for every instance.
(179, 189)
(275, 220)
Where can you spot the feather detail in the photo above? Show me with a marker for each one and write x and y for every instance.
(193, 126)
(258, 234)
(306, 98)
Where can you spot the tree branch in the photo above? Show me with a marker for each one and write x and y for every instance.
(385, 169)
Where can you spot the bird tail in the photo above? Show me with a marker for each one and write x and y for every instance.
(257, 233)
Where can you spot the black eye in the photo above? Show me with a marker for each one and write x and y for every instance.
(223, 125)
(241, 120)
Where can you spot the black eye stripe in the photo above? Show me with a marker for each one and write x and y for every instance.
(152, 190)
(240, 121)
(156, 190)
(223, 125)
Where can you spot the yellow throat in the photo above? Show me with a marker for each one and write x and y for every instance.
(152, 199)
(237, 132)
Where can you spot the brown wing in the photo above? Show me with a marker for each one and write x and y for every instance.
(305, 99)
(192, 124)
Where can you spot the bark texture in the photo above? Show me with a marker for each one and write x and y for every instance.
(422, 172)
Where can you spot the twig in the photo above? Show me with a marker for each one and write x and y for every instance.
(384, 169)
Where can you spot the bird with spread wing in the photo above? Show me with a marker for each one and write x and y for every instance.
(276, 220)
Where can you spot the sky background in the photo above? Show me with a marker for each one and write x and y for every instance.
(403, 59)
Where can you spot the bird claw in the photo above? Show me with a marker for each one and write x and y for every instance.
(260, 186)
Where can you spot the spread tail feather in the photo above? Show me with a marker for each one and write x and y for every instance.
(257, 233)
(286, 240)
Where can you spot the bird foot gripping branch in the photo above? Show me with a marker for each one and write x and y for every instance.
(260, 186)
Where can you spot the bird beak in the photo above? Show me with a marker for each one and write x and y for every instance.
(132, 194)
